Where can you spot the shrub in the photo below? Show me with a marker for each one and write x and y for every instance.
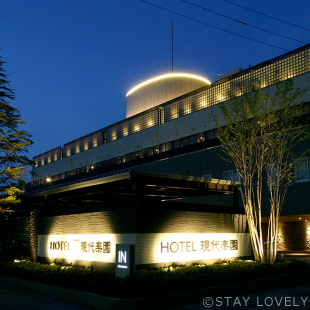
(150, 282)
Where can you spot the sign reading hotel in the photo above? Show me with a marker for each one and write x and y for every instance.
(149, 247)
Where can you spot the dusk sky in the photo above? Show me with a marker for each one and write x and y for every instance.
(73, 61)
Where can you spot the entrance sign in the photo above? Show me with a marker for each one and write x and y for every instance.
(150, 248)
(125, 260)
(86, 247)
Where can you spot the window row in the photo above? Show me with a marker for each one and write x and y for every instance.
(267, 73)
(135, 124)
(302, 172)
(164, 147)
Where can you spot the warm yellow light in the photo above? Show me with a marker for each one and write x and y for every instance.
(48, 179)
(137, 128)
(158, 247)
(166, 76)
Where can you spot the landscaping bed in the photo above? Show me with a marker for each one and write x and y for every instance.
(148, 282)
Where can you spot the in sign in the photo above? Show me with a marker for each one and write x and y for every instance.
(125, 260)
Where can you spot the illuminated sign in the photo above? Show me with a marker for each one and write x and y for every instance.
(182, 247)
(206, 245)
(149, 247)
(125, 261)
(88, 247)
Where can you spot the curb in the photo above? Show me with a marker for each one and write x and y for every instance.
(164, 301)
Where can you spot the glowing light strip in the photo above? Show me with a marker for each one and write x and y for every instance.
(166, 76)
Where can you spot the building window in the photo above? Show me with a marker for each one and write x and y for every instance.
(302, 170)
(232, 175)
(176, 144)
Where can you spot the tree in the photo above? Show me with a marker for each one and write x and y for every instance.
(262, 128)
(14, 144)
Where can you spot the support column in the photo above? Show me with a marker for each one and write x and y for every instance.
(33, 234)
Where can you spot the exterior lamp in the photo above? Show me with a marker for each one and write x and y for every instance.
(48, 180)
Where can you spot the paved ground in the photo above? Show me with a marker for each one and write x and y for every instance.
(288, 297)
(284, 292)
(13, 297)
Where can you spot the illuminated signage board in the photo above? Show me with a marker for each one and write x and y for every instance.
(88, 247)
(149, 247)
(125, 261)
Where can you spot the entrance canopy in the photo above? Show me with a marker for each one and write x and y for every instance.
(131, 184)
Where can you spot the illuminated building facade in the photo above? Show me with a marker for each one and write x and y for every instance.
(168, 132)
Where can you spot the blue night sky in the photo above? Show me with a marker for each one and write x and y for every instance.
(73, 61)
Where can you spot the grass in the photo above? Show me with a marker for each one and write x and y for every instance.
(148, 282)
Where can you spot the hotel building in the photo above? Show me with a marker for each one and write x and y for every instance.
(155, 179)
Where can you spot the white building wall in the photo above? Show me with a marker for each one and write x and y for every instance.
(190, 124)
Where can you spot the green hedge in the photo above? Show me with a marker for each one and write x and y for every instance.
(146, 283)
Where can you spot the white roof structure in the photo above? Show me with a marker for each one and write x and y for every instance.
(161, 89)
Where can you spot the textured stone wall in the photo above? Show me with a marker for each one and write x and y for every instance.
(136, 220)
(173, 221)
(100, 222)
(292, 236)
(33, 234)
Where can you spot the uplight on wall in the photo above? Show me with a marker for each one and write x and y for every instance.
(187, 111)
(174, 113)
